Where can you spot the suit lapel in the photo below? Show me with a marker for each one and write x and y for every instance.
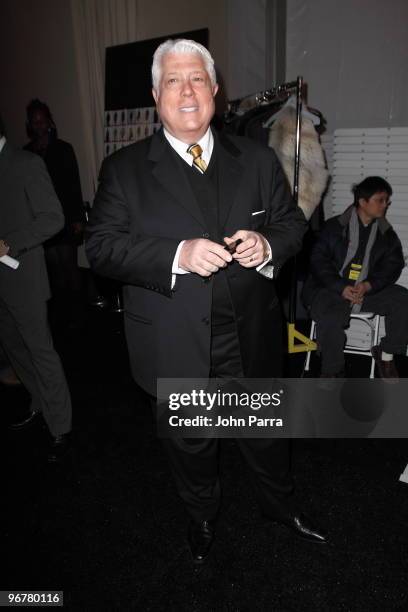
(230, 173)
(170, 175)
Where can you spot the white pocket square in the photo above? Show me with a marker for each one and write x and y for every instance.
(258, 212)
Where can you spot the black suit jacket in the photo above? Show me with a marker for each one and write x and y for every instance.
(30, 213)
(62, 166)
(144, 207)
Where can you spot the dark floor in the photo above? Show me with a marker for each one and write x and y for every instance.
(107, 528)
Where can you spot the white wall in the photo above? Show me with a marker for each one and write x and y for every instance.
(354, 56)
(246, 48)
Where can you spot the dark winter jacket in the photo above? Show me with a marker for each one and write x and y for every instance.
(329, 252)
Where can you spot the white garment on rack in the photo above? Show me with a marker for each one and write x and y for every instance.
(291, 103)
(313, 173)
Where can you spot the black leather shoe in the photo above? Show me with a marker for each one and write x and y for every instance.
(59, 448)
(303, 527)
(27, 422)
(200, 539)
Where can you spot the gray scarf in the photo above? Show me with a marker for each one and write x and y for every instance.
(352, 250)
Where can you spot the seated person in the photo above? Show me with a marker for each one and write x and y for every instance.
(354, 266)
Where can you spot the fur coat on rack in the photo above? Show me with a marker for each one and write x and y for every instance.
(313, 174)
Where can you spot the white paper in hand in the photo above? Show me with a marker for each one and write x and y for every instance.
(10, 262)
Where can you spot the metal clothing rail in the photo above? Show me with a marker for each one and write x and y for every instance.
(264, 97)
(303, 342)
(281, 91)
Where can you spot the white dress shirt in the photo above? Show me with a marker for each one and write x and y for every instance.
(2, 142)
(207, 145)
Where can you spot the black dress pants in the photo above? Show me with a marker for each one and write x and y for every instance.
(194, 462)
(332, 315)
(27, 342)
(65, 282)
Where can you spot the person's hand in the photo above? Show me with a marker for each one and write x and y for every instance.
(4, 248)
(349, 293)
(202, 256)
(360, 289)
(252, 251)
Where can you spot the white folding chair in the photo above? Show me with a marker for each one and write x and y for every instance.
(373, 322)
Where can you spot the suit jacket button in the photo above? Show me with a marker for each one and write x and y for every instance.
(206, 235)
(205, 320)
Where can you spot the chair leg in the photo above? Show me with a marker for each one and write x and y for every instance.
(375, 342)
(372, 367)
(309, 353)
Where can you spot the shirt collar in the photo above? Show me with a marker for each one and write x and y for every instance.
(2, 142)
(206, 143)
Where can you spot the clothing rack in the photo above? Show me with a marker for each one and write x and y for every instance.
(282, 91)
(264, 97)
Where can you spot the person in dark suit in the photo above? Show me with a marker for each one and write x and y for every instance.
(30, 213)
(61, 250)
(159, 224)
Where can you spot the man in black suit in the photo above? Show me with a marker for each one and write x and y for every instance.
(61, 251)
(159, 224)
(30, 213)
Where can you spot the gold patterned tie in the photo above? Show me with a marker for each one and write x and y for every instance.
(195, 150)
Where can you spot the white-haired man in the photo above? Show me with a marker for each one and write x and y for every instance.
(164, 210)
